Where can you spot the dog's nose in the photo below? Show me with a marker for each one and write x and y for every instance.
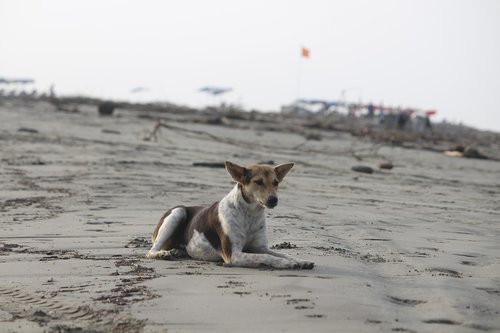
(272, 201)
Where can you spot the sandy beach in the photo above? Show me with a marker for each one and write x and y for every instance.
(411, 249)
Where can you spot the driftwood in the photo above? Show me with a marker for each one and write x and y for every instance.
(28, 130)
(371, 151)
(209, 164)
(221, 164)
(386, 165)
(159, 124)
(153, 136)
(362, 168)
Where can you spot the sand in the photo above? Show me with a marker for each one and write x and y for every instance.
(411, 249)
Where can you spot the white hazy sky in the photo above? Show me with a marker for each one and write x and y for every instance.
(429, 54)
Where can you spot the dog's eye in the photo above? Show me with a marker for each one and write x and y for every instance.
(276, 183)
(259, 182)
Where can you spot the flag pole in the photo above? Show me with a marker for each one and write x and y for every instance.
(299, 74)
(304, 53)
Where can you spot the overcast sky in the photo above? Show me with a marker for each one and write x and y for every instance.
(442, 55)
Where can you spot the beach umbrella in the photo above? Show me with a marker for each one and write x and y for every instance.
(139, 90)
(16, 81)
(214, 90)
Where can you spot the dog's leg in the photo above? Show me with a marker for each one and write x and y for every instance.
(260, 246)
(170, 223)
(302, 263)
(244, 259)
(173, 254)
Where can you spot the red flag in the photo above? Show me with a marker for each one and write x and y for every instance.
(305, 52)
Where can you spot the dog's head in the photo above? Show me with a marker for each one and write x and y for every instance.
(259, 182)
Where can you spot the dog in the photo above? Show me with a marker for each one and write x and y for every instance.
(232, 230)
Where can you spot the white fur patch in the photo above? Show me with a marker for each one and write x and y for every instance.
(244, 223)
(200, 248)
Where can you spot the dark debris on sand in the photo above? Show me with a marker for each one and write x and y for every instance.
(284, 245)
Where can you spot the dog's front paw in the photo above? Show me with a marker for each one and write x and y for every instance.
(162, 254)
(165, 255)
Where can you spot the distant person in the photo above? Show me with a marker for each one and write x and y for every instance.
(402, 119)
(428, 124)
(371, 110)
(52, 92)
(381, 114)
(352, 110)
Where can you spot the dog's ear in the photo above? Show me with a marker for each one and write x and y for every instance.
(282, 169)
(237, 172)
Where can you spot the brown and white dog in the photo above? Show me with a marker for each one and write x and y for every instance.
(232, 230)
